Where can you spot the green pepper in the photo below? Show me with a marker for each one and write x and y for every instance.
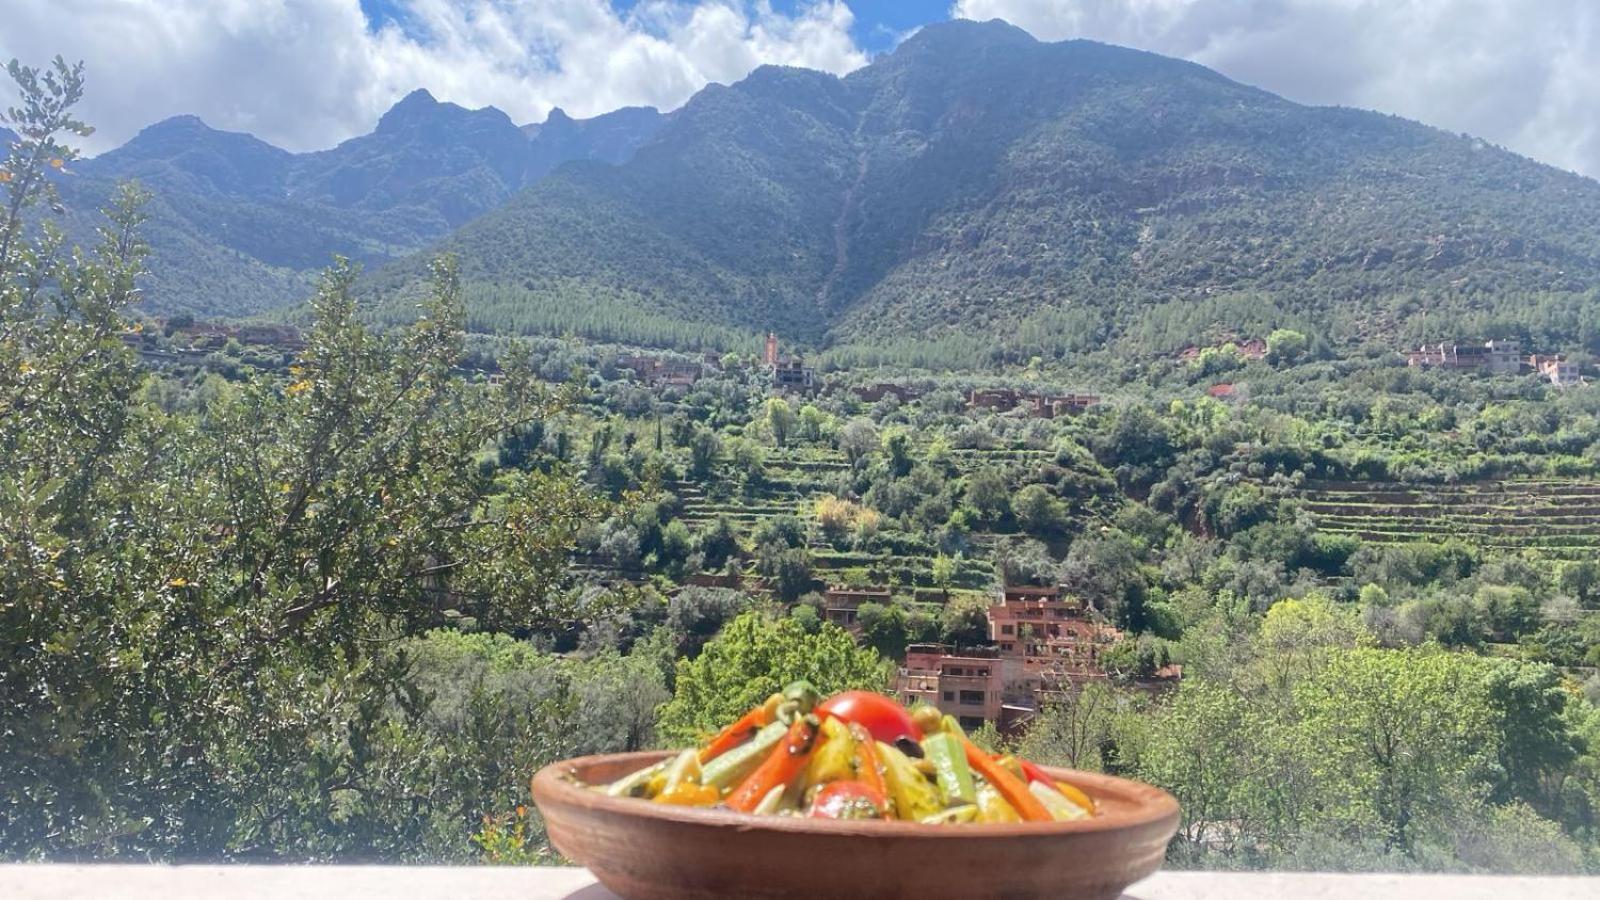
(734, 766)
(772, 802)
(955, 815)
(799, 698)
(950, 769)
(685, 767)
(803, 694)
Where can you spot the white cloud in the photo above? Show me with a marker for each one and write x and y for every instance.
(305, 74)
(1520, 73)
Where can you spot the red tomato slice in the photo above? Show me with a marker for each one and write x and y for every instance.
(883, 718)
(847, 800)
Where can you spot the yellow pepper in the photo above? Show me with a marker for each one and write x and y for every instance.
(1076, 796)
(993, 808)
(687, 793)
(835, 759)
(914, 796)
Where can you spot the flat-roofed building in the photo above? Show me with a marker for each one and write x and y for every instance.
(964, 683)
(1046, 641)
(1557, 369)
(841, 602)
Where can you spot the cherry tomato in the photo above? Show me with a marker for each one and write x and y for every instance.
(883, 718)
(847, 800)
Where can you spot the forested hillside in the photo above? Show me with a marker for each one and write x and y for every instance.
(240, 226)
(979, 182)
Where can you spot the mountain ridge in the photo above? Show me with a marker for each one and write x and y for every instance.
(977, 182)
(974, 186)
(239, 226)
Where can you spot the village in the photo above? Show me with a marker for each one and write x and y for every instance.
(789, 374)
(1042, 645)
(1495, 357)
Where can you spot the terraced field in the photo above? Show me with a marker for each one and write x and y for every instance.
(794, 479)
(1553, 517)
(747, 512)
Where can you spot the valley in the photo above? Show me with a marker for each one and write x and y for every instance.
(1135, 419)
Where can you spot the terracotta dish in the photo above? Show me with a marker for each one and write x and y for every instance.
(650, 851)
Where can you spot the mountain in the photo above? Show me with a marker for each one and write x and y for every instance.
(435, 159)
(239, 226)
(609, 138)
(184, 154)
(982, 185)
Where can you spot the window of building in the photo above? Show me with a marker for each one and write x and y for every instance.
(949, 696)
(971, 723)
(1007, 646)
(1008, 629)
(972, 698)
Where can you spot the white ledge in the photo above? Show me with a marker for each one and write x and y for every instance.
(98, 882)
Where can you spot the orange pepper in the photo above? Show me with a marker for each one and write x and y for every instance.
(786, 761)
(740, 731)
(687, 793)
(1076, 795)
(1012, 788)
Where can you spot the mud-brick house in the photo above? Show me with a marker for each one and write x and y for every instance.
(841, 602)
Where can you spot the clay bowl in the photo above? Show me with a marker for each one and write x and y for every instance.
(649, 851)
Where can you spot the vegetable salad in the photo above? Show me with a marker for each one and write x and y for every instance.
(856, 755)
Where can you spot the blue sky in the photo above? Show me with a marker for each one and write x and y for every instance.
(879, 24)
(306, 74)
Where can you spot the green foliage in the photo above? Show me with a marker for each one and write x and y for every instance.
(857, 438)
(1285, 345)
(696, 614)
(989, 495)
(1405, 730)
(780, 420)
(207, 600)
(1074, 730)
(1297, 636)
(1392, 756)
(966, 621)
(480, 712)
(1037, 511)
(883, 628)
(506, 840)
(754, 656)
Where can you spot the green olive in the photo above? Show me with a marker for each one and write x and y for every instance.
(928, 718)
